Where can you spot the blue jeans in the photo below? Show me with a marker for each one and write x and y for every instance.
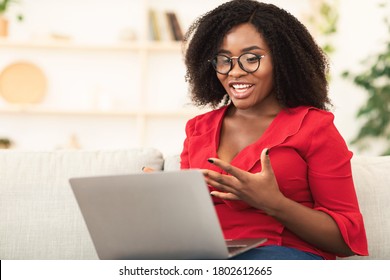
(273, 252)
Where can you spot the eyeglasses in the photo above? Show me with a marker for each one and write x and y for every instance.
(249, 62)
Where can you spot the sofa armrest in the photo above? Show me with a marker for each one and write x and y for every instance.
(372, 182)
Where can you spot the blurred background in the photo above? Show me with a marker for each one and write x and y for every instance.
(95, 74)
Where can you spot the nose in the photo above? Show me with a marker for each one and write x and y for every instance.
(236, 68)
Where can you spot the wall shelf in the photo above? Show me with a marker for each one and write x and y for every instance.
(143, 80)
(59, 45)
(108, 113)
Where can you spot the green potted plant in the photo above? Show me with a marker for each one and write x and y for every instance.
(323, 20)
(375, 113)
(4, 6)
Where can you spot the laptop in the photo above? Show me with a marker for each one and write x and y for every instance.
(159, 215)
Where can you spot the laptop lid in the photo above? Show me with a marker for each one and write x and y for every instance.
(159, 215)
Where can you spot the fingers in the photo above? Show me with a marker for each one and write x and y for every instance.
(224, 183)
(265, 161)
(241, 174)
(147, 169)
(236, 172)
(225, 196)
(218, 180)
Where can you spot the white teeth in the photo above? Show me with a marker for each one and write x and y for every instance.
(240, 86)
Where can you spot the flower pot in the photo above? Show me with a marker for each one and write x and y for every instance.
(3, 27)
(5, 143)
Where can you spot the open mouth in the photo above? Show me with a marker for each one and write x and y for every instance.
(241, 90)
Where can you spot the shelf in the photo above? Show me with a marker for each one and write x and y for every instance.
(89, 67)
(119, 113)
(42, 111)
(119, 46)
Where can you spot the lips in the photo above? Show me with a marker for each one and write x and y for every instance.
(240, 90)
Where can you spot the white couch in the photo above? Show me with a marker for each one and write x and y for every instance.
(40, 219)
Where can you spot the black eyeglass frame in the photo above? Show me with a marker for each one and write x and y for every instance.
(214, 64)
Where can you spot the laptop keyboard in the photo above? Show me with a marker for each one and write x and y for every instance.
(233, 246)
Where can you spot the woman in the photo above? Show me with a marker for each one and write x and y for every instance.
(275, 163)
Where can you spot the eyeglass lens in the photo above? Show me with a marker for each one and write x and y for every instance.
(248, 62)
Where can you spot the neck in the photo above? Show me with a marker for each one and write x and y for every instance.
(267, 108)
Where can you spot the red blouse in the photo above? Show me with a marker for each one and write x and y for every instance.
(311, 163)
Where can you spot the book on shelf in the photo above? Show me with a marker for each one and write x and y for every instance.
(175, 27)
(154, 25)
(164, 26)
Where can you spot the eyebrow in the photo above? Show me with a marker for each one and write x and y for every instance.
(251, 48)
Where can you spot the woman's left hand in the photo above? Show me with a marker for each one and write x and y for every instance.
(259, 190)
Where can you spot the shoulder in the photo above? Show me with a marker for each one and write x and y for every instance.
(209, 115)
(308, 116)
(206, 120)
(300, 124)
(308, 112)
(320, 133)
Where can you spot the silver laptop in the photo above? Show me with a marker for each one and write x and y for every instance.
(159, 215)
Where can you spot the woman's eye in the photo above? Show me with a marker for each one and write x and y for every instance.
(252, 59)
(224, 60)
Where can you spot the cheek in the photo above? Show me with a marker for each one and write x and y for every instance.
(221, 77)
(223, 80)
(266, 79)
(265, 71)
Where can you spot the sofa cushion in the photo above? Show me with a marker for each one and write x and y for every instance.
(39, 217)
(372, 182)
(172, 163)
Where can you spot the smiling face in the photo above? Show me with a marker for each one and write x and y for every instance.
(248, 91)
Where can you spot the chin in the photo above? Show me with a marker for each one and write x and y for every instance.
(242, 105)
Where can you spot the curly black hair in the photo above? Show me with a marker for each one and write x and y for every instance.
(299, 65)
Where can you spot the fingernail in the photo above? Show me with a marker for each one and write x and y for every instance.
(267, 152)
(210, 160)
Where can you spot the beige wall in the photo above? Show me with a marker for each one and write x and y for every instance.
(77, 78)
